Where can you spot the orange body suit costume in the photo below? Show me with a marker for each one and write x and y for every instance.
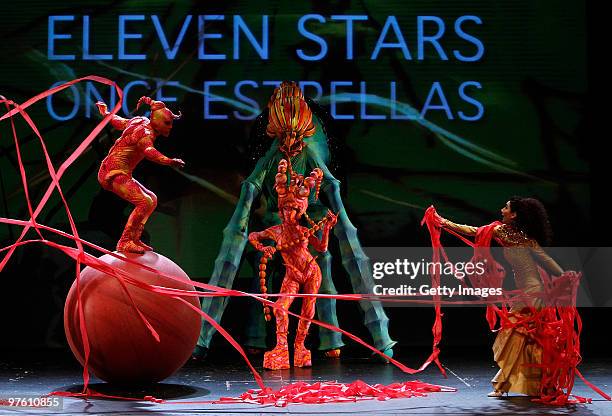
(136, 143)
(302, 270)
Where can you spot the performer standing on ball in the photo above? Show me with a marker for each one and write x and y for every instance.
(115, 175)
(523, 230)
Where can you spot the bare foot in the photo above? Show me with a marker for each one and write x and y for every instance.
(129, 246)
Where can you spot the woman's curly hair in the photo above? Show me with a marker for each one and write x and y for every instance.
(532, 219)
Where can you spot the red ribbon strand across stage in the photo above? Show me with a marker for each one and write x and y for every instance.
(560, 375)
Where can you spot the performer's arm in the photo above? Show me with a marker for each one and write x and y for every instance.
(459, 228)
(117, 122)
(154, 155)
(256, 238)
(321, 245)
(546, 261)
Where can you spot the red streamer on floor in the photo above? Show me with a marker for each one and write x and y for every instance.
(334, 392)
(305, 393)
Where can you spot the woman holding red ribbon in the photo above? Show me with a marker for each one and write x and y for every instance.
(522, 232)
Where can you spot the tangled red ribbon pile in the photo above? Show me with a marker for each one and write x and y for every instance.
(334, 392)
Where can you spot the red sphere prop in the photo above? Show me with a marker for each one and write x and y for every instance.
(123, 351)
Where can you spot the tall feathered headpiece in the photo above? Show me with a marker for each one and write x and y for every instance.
(289, 118)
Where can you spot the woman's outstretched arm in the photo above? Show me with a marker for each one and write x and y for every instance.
(459, 228)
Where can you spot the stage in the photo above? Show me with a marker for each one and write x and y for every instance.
(34, 373)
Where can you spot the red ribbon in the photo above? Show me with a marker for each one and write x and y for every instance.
(294, 393)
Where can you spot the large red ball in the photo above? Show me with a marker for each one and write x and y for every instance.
(123, 351)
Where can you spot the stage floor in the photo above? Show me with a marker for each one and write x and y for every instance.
(37, 373)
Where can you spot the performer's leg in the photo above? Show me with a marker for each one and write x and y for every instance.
(144, 202)
(359, 267)
(329, 340)
(227, 264)
(223, 276)
(154, 197)
(301, 355)
(278, 358)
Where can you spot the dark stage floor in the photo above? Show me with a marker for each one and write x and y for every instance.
(37, 373)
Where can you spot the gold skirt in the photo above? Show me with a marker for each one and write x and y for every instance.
(512, 349)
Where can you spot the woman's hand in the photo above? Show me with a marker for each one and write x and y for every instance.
(431, 211)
